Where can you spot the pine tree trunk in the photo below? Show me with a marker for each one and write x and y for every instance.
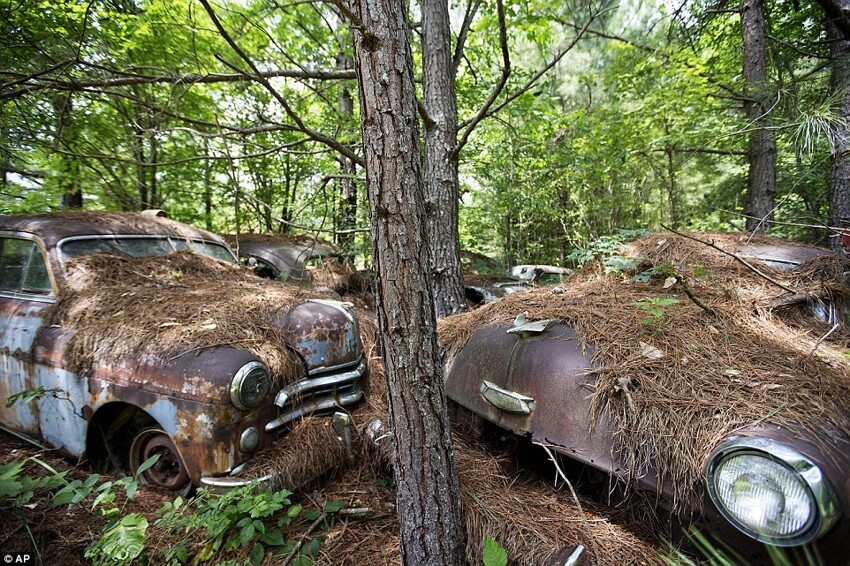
(441, 161)
(428, 492)
(347, 217)
(839, 175)
(761, 179)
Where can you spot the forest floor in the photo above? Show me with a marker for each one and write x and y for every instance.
(59, 535)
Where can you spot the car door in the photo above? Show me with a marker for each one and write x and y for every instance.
(26, 295)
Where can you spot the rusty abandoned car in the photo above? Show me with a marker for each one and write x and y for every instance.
(127, 336)
(705, 391)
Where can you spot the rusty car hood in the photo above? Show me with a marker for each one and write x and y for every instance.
(323, 333)
(556, 388)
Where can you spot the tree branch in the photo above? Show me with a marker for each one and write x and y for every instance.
(738, 258)
(471, 124)
(257, 76)
(471, 10)
(703, 150)
(503, 80)
(169, 78)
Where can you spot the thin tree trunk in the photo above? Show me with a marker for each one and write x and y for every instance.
(207, 188)
(69, 168)
(153, 193)
(839, 174)
(761, 179)
(441, 160)
(428, 491)
(347, 218)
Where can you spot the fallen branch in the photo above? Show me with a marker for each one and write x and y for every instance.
(835, 327)
(736, 257)
(693, 298)
(597, 555)
(294, 552)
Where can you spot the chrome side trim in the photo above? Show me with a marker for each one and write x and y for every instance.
(316, 406)
(506, 400)
(226, 482)
(309, 384)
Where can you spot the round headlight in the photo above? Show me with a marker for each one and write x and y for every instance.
(250, 385)
(771, 492)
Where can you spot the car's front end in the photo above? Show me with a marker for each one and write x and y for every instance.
(770, 488)
(160, 344)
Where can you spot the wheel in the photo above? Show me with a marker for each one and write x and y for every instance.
(169, 472)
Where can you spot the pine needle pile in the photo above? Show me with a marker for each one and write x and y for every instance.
(716, 358)
(152, 308)
(528, 517)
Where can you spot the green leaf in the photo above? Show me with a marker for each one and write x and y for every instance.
(125, 541)
(311, 514)
(146, 465)
(273, 537)
(293, 511)
(91, 480)
(334, 506)
(130, 487)
(246, 534)
(494, 554)
(257, 554)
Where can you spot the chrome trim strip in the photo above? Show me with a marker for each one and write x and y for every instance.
(325, 369)
(314, 407)
(506, 400)
(48, 299)
(231, 483)
(308, 384)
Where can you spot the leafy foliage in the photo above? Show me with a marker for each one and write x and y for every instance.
(228, 522)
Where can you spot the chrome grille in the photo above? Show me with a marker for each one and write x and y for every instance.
(319, 393)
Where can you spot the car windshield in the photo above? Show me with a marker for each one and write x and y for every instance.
(141, 246)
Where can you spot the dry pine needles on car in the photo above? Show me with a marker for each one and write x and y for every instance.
(123, 308)
(675, 386)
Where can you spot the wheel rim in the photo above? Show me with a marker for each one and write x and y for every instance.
(169, 471)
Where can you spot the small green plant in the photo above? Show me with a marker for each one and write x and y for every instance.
(662, 271)
(655, 306)
(122, 541)
(19, 489)
(494, 553)
(608, 250)
(123, 537)
(718, 553)
(230, 521)
(28, 395)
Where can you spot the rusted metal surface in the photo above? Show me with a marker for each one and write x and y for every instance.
(552, 374)
(551, 368)
(323, 333)
(180, 406)
(288, 260)
(783, 257)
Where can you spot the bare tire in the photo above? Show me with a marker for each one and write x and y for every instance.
(169, 472)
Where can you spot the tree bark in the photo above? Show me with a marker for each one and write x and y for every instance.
(69, 168)
(839, 175)
(761, 179)
(347, 218)
(441, 159)
(428, 491)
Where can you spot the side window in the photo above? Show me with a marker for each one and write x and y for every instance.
(22, 267)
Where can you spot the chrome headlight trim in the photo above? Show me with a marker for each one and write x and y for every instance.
(241, 379)
(827, 508)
